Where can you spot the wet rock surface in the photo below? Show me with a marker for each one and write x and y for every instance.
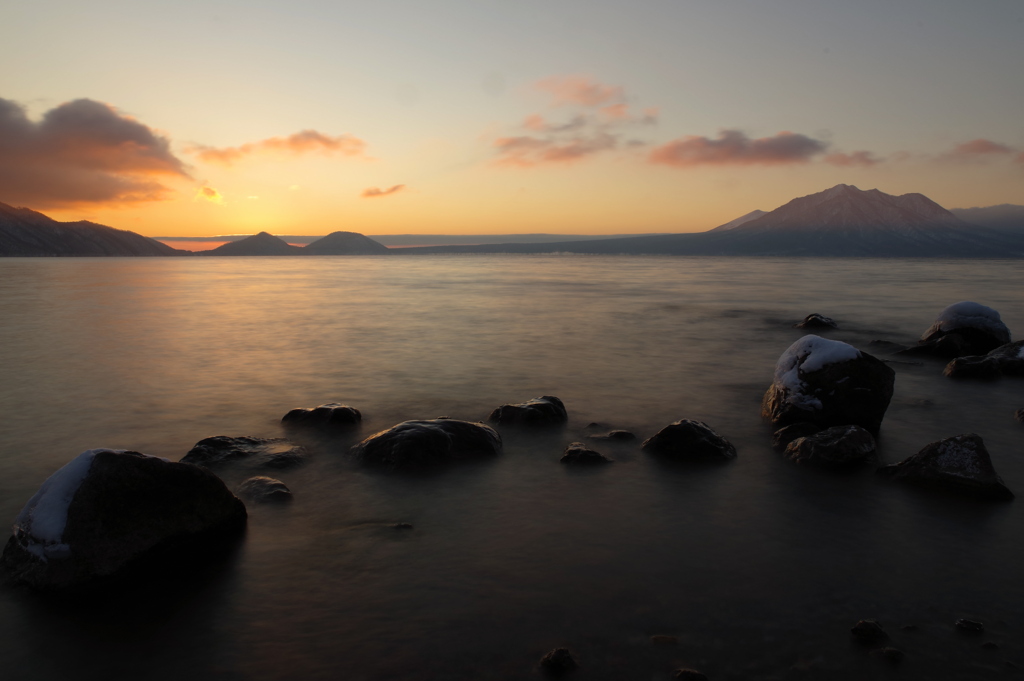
(972, 626)
(837, 446)
(330, 416)
(783, 436)
(261, 488)
(219, 450)
(817, 321)
(688, 439)
(614, 435)
(106, 509)
(578, 453)
(869, 631)
(1006, 360)
(960, 463)
(828, 383)
(1019, 415)
(558, 661)
(416, 444)
(540, 411)
(689, 675)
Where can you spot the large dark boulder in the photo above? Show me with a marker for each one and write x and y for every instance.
(1006, 360)
(414, 444)
(540, 411)
(836, 446)
(331, 416)
(828, 383)
(107, 508)
(212, 452)
(964, 328)
(960, 463)
(687, 439)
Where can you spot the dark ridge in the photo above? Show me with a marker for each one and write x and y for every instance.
(346, 243)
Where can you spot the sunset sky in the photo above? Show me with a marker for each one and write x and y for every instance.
(459, 116)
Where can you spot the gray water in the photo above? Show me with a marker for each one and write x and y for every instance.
(758, 566)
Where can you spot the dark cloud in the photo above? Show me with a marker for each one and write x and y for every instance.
(374, 192)
(81, 152)
(733, 147)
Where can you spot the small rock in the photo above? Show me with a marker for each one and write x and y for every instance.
(261, 488)
(838, 446)
(959, 463)
(621, 435)
(403, 526)
(1019, 415)
(331, 415)
(540, 411)
(663, 640)
(970, 625)
(990, 645)
(216, 451)
(817, 321)
(688, 439)
(909, 627)
(890, 654)
(783, 436)
(558, 661)
(689, 675)
(428, 443)
(579, 453)
(869, 631)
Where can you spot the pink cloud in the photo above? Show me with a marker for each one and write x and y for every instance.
(864, 159)
(525, 151)
(733, 147)
(82, 152)
(374, 192)
(304, 142)
(580, 91)
(980, 147)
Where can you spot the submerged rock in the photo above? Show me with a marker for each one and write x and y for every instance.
(108, 508)
(688, 439)
(327, 416)
(828, 383)
(428, 443)
(972, 626)
(783, 436)
(261, 488)
(837, 446)
(617, 435)
(271, 452)
(869, 631)
(964, 328)
(540, 411)
(578, 453)
(689, 675)
(1006, 360)
(558, 661)
(817, 321)
(959, 463)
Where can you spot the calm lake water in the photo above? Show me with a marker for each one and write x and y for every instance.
(758, 566)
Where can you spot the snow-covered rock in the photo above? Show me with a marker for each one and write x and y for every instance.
(960, 463)
(108, 507)
(331, 415)
(688, 439)
(829, 383)
(964, 328)
(1006, 360)
(836, 446)
(540, 411)
(428, 443)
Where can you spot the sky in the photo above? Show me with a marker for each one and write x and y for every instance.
(478, 116)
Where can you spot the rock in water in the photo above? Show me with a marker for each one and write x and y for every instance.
(579, 453)
(540, 411)
(558, 661)
(817, 321)
(689, 675)
(869, 631)
(617, 435)
(107, 508)
(964, 328)
(215, 451)
(829, 383)
(1006, 360)
(783, 436)
(837, 446)
(327, 416)
(960, 463)
(261, 488)
(687, 439)
(428, 443)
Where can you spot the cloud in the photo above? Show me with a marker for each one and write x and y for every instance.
(733, 147)
(864, 159)
(374, 192)
(208, 193)
(580, 90)
(304, 142)
(527, 151)
(82, 152)
(981, 147)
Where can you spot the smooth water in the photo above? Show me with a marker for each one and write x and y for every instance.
(758, 566)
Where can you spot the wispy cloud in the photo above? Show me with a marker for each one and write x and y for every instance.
(863, 159)
(82, 152)
(733, 147)
(580, 90)
(304, 142)
(208, 193)
(975, 150)
(374, 192)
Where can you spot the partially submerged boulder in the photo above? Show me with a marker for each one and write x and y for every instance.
(836, 446)
(964, 328)
(427, 443)
(108, 508)
(817, 321)
(960, 463)
(215, 451)
(578, 453)
(688, 439)
(615, 435)
(1006, 360)
(330, 416)
(869, 631)
(828, 383)
(540, 411)
(558, 661)
(260, 488)
(783, 436)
